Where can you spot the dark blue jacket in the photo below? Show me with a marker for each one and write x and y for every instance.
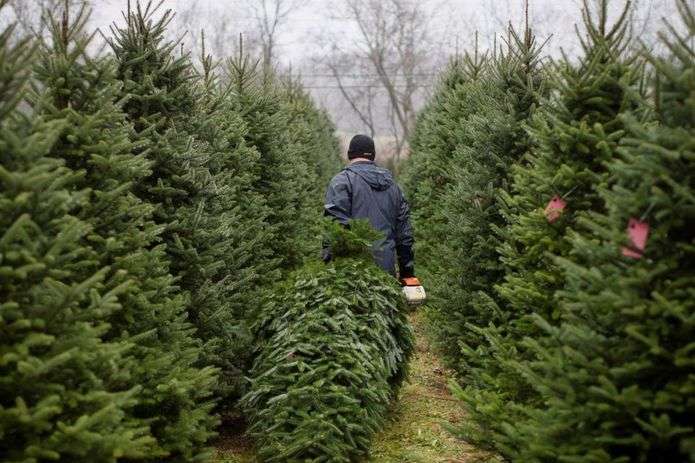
(364, 190)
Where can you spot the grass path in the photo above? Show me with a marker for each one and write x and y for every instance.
(415, 434)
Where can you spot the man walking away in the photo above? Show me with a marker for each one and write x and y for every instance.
(364, 190)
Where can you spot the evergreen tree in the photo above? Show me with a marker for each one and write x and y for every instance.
(316, 134)
(162, 106)
(333, 351)
(574, 136)
(616, 375)
(94, 142)
(240, 213)
(427, 171)
(432, 171)
(285, 179)
(60, 394)
(313, 140)
(429, 139)
(477, 215)
(481, 102)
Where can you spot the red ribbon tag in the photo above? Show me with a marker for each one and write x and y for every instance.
(554, 209)
(638, 232)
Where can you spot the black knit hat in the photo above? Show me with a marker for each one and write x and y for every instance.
(361, 146)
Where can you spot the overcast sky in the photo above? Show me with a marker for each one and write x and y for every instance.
(452, 20)
(304, 38)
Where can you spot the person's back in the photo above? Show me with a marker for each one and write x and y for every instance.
(364, 190)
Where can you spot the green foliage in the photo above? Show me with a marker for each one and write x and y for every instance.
(285, 179)
(314, 134)
(478, 107)
(163, 363)
(270, 145)
(426, 174)
(620, 365)
(493, 141)
(61, 394)
(232, 236)
(569, 350)
(230, 180)
(313, 141)
(334, 346)
(147, 211)
(353, 241)
(575, 134)
(468, 145)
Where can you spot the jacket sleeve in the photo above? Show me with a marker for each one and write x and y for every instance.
(338, 202)
(404, 238)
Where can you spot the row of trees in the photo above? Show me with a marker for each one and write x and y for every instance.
(555, 210)
(146, 208)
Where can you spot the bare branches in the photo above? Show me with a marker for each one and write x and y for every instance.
(261, 22)
(270, 16)
(30, 16)
(392, 43)
(360, 100)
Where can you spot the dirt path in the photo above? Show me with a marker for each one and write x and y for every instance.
(416, 433)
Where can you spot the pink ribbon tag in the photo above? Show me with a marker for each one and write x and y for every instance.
(638, 232)
(554, 209)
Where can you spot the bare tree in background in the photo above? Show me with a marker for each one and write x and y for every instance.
(270, 16)
(219, 26)
(391, 50)
(361, 98)
(259, 21)
(29, 14)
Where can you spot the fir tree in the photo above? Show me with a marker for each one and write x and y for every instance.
(429, 139)
(477, 213)
(60, 382)
(493, 140)
(444, 128)
(95, 143)
(285, 180)
(574, 136)
(313, 140)
(617, 375)
(333, 351)
(427, 172)
(240, 215)
(449, 225)
(317, 135)
(162, 106)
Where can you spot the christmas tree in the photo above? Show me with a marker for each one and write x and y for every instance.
(238, 215)
(429, 174)
(616, 375)
(285, 179)
(333, 350)
(61, 384)
(427, 171)
(575, 134)
(162, 105)
(84, 93)
(316, 134)
(477, 215)
(313, 140)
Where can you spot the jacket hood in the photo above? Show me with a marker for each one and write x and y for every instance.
(376, 177)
